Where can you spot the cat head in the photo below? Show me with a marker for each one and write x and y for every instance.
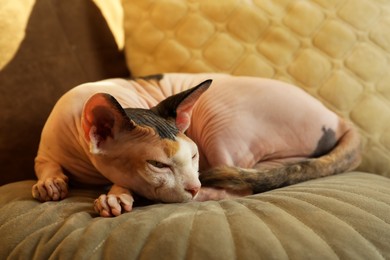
(145, 150)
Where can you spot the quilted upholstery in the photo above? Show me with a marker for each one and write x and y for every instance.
(352, 210)
(337, 50)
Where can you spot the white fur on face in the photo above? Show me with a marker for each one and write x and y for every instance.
(184, 156)
(183, 175)
(187, 159)
(166, 184)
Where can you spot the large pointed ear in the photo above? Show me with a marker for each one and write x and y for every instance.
(179, 107)
(103, 118)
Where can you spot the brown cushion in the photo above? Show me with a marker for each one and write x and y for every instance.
(47, 48)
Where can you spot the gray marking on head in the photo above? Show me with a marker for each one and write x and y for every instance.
(145, 117)
(156, 77)
(326, 142)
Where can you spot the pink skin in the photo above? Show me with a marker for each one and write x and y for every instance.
(243, 110)
(110, 148)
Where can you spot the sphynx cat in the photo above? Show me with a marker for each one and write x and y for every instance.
(151, 136)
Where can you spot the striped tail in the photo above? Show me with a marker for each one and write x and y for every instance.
(345, 156)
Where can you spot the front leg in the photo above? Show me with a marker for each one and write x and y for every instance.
(52, 183)
(118, 200)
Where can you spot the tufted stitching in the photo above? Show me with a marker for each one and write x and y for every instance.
(263, 199)
(153, 231)
(359, 186)
(341, 220)
(113, 225)
(32, 234)
(98, 246)
(314, 190)
(315, 193)
(42, 207)
(15, 218)
(237, 203)
(191, 228)
(232, 237)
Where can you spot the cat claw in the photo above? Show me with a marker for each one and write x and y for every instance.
(113, 205)
(51, 189)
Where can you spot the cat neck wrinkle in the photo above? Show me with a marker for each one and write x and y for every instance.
(145, 117)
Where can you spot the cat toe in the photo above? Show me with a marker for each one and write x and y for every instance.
(126, 202)
(50, 189)
(113, 205)
(101, 206)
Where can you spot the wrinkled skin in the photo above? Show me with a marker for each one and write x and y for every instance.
(236, 122)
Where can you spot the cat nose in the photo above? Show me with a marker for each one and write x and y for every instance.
(193, 191)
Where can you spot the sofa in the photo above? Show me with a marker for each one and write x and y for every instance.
(338, 51)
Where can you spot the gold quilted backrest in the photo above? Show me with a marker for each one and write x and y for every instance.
(337, 50)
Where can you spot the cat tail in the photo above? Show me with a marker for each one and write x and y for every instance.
(345, 156)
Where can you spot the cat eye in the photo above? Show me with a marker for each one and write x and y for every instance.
(194, 156)
(157, 164)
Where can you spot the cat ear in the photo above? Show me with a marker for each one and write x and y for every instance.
(103, 118)
(179, 107)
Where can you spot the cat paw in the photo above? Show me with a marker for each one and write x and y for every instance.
(113, 205)
(53, 188)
